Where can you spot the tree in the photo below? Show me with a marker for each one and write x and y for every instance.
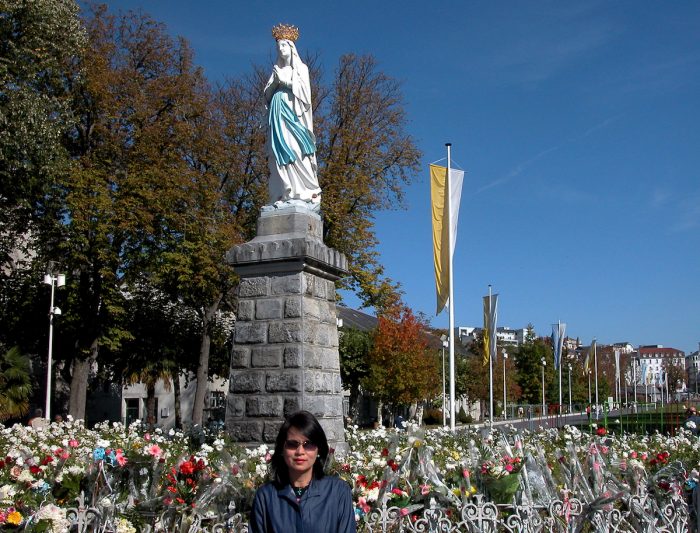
(402, 370)
(528, 358)
(675, 374)
(132, 106)
(15, 384)
(472, 376)
(39, 41)
(365, 158)
(354, 347)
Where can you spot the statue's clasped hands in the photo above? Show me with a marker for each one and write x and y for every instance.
(281, 77)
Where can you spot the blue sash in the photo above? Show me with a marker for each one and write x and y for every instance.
(282, 116)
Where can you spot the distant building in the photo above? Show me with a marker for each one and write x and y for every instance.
(133, 404)
(692, 367)
(624, 347)
(655, 359)
(571, 345)
(505, 336)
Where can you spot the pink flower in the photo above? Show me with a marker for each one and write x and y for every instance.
(65, 455)
(403, 511)
(155, 450)
(120, 458)
(425, 490)
(362, 504)
(509, 467)
(73, 443)
(633, 455)
(147, 436)
(268, 457)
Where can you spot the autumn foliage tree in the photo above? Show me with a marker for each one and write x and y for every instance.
(402, 370)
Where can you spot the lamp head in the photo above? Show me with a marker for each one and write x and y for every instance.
(48, 279)
(60, 280)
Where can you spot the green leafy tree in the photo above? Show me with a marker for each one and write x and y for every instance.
(132, 105)
(39, 42)
(354, 347)
(528, 358)
(15, 384)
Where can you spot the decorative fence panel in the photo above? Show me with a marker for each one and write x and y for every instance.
(638, 514)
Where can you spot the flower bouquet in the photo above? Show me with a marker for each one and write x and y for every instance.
(501, 478)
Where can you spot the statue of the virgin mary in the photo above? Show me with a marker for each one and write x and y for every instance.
(291, 146)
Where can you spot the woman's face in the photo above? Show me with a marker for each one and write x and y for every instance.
(284, 49)
(299, 459)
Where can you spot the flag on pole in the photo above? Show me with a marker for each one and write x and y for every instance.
(617, 364)
(490, 313)
(587, 363)
(644, 373)
(442, 249)
(558, 331)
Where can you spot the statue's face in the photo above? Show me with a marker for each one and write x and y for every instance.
(284, 49)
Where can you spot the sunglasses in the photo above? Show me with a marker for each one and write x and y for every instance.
(294, 445)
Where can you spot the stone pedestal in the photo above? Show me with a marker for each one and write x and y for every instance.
(285, 354)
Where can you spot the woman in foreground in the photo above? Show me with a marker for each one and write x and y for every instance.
(300, 498)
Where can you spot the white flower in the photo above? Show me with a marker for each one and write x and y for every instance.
(690, 424)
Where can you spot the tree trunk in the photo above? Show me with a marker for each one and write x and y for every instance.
(151, 415)
(203, 366)
(176, 392)
(79, 383)
(380, 408)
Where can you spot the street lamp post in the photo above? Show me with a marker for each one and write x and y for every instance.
(544, 364)
(445, 344)
(58, 280)
(571, 410)
(589, 389)
(505, 399)
(634, 380)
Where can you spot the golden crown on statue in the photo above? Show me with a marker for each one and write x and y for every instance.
(286, 32)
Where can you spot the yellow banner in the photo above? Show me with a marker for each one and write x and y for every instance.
(441, 248)
(487, 331)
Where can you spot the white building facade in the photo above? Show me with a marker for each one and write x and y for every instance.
(133, 403)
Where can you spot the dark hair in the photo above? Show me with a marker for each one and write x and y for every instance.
(307, 425)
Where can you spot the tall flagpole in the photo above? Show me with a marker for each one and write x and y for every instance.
(448, 188)
(491, 351)
(595, 362)
(559, 359)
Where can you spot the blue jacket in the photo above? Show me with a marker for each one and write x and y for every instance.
(325, 507)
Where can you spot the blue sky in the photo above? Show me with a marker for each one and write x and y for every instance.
(576, 123)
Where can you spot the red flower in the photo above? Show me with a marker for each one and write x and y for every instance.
(2, 463)
(34, 469)
(187, 468)
(601, 432)
(385, 452)
(172, 489)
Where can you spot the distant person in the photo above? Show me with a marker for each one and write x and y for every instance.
(399, 422)
(58, 419)
(38, 420)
